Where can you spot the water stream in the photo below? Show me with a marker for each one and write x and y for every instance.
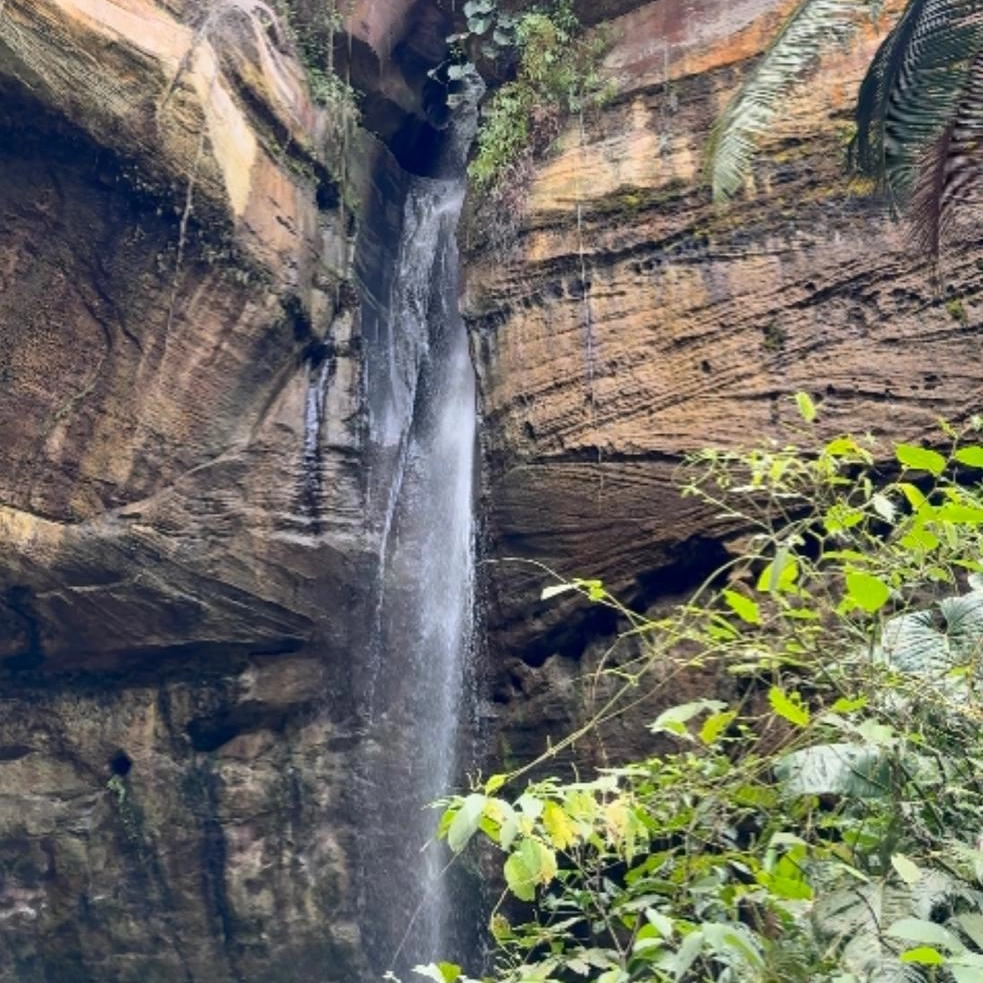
(421, 396)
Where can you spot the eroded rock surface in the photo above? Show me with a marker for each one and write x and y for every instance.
(631, 321)
(183, 558)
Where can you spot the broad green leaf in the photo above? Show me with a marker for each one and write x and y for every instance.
(971, 923)
(439, 972)
(530, 805)
(539, 859)
(715, 725)
(687, 953)
(920, 538)
(835, 769)
(520, 880)
(907, 869)
(789, 706)
(866, 591)
(466, 821)
(960, 514)
(786, 888)
(971, 456)
(924, 932)
(844, 447)
(806, 407)
(924, 955)
(531, 865)
(661, 923)
(920, 458)
(743, 607)
(508, 831)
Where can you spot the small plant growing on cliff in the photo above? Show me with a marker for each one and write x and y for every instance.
(558, 74)
(823, 822)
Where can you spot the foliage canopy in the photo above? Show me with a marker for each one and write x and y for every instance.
(825, 824)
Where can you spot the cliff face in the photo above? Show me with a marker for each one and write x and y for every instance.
(183, 559)
(182, 554)
(630, 321)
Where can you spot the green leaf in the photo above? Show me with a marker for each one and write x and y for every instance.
(494, 784)
(749, 115)
(561, 829)
(866, 591)
(743, 607)
(924, 932)
(806, 407)
(674, 719)
(913, 493)
(520, 880)
(780, 575)
(845, 705)
(924, 955)
(835, 769)
(789, 706)
(715, 725)
(465, 823)
(920, 458)
(920, 538)
(439, 972)
(907, 869)
(971, 922)
(960, 514)
(971, 456)
(661, 923)
(532, 864)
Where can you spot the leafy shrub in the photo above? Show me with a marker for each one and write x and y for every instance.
(557, 75)
(828, 824)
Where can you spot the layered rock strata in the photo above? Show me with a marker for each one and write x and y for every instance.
(183, 558)
(627, 321)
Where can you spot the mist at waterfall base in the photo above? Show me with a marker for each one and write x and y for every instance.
(416, 679)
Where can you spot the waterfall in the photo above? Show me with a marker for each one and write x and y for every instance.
(420, 392)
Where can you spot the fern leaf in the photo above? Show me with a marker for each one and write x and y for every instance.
(912, 89)
(802, 39)
(950, 173)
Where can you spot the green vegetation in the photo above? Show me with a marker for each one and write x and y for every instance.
(823, 821)
(957, 310)
(315, 36)
(557, 75)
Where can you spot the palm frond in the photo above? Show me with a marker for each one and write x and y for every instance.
(950, 172)
(912, 90)
(802, 39)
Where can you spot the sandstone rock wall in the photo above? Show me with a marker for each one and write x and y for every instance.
(630, 321)
(183, 558)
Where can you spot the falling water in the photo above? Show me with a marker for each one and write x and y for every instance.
(420, 392)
